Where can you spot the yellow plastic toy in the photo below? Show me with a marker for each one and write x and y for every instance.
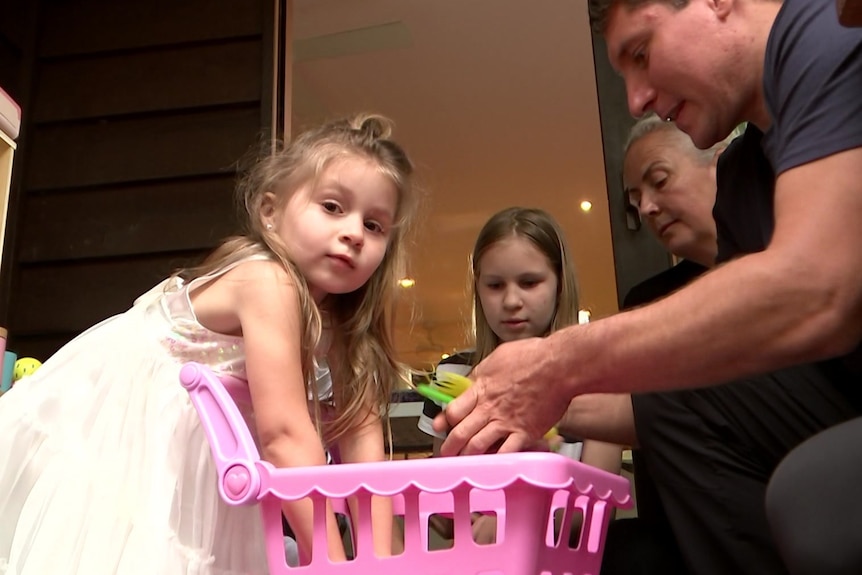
(24, 367)
(451, 385)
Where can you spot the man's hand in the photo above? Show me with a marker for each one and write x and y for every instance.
(514, 400)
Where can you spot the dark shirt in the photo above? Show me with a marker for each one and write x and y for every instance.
(744, 214)
(813, 90)
(812, 81)
(662, 284)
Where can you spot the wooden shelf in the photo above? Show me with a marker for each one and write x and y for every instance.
(7, 154)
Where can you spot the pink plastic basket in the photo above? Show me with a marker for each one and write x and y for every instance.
(524, 490)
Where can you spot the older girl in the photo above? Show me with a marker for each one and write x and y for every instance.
(523, 285)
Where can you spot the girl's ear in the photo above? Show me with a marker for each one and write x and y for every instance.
(267, 209)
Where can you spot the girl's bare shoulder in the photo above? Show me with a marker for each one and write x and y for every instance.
(260, 278)
(256, 286)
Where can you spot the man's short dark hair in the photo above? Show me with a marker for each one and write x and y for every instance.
(599, 10)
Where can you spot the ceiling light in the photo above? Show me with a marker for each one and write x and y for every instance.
(586, 205)
(584, 316)
(444, 356)
(407, 282)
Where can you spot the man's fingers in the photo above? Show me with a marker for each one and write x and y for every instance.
(459, 435)
(474, 435)
(516, 442)
(454, 412)
(460, 407)
(440, 425)
(485, 440)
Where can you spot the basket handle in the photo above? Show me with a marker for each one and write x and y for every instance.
(232, 446)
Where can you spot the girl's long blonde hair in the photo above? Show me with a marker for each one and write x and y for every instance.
(540, 229)
(362, 353)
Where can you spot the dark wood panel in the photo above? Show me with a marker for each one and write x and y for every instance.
(10, 68)
(16, 70)
(77, 27)
(173, 78)
(40, 347)
(128, 150)
(65, 298)
(17, 26)
(14, 23)
(152, 218)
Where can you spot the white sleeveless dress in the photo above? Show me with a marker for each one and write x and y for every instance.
(104, 467)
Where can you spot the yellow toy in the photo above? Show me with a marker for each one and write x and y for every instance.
(447, 386)
(24, 367)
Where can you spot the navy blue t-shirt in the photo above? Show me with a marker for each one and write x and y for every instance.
(813, 90)
(812, 82)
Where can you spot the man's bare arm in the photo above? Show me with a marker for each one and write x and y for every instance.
(798, 301)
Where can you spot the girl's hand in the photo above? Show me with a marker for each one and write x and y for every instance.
(485, 529)
(364, 443)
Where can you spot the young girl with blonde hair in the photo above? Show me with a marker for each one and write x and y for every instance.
(523, 285)
(106, 469)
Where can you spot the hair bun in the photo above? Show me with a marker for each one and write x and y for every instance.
(373, 126)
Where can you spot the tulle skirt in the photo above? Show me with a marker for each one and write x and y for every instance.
(104, 467)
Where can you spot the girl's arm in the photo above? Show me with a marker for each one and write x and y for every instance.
(267, 307)
(363, 444)
(601, 416)
(607, 456)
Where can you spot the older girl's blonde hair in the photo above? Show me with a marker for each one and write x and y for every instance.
(362, 354)
(540, 229)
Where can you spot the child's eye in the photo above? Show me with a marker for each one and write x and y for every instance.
(373, 226)
(529, 283)
(494, 286)
(330, 206)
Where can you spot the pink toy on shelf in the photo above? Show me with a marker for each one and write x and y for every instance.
(10, 115)
(523, 489)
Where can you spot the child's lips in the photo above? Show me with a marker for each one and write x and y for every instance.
(344, 260)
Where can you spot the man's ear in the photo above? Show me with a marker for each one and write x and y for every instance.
(267, 209)
(722, 8)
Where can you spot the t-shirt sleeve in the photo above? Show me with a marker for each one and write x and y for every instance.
(813, 84)
(460, 363)
(430, 410)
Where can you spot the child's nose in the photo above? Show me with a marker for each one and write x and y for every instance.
(512, 298)
(353, 231)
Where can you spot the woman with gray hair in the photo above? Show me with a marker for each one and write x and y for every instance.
(672, 185)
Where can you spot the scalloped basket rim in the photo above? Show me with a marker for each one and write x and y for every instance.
(268, 488)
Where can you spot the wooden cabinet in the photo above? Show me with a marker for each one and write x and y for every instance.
(7, 153)
(10, 126)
